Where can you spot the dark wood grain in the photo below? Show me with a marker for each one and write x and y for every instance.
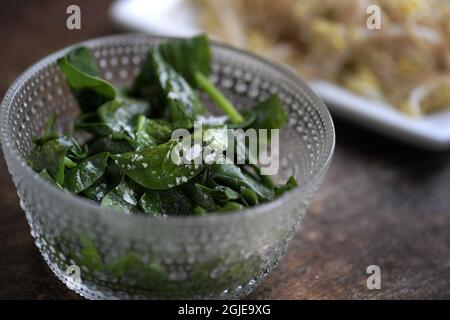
(381, 203)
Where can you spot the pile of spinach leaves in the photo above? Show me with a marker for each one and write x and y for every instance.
(125, 164)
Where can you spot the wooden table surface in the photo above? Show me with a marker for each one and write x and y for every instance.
(381, 203)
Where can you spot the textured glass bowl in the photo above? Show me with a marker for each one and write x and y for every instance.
(119, 256)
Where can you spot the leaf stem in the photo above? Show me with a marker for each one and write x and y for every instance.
(265, 179)
(69, 163)
(204, 83)
(140, 123)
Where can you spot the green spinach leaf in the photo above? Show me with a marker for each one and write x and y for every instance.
(154, 169)
(48, 133)
(120, 116)
(91, 123)
(289, 185)
(113, 174)
(123, 197)
(159, 129)
(231, 206)
(50, 157)
(44, 174)
(87, 172)
(221, 194)
(83, 77)
(188, 56)
(268, 114)
(182, 102)
(75, 151)
(249, 196)
(191, 58)
(142, 139)
(166, 202)
(97, 191)
(200, 196)
(170, 95)
(231, 175)
(108, 144)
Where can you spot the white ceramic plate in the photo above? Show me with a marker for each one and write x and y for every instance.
(177, 18)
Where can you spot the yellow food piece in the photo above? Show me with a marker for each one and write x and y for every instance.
(302, 8)
(362, 81)
(437, 99)
(331, 33)
(408, 65)
(258, 41)
(405, 8)
(408, 109)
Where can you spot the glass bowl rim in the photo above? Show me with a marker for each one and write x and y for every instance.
(28, 173)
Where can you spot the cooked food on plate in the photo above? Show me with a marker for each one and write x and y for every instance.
(405, 63)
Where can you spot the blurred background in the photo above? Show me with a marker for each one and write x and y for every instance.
(385, 200)
(383, 49)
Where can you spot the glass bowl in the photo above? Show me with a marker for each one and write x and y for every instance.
(102, 254)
